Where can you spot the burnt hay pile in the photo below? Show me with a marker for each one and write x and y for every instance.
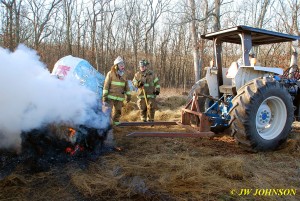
(44, 148)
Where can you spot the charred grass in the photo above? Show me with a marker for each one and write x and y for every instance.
(163, 168)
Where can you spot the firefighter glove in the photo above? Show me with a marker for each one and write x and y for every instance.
(156, 93)
(140, 84)
(105, 104)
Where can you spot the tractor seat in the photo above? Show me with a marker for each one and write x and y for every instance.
(227, 89)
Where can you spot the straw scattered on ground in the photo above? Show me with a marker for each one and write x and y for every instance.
(164, 168)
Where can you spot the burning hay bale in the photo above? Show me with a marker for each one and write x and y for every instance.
(51, 146)
(42, 149)
(51, 118)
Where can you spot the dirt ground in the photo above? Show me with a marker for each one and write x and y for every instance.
(166, 168)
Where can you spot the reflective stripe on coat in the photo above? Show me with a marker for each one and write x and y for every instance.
(115, 87)
(151, 83)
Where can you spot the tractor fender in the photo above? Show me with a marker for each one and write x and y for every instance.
(278, 71)
(248, 73)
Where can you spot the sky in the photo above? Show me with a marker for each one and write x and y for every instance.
(31, 98)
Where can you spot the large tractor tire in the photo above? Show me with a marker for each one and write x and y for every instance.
(262, 115)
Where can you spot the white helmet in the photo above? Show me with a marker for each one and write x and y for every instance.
(118, 60)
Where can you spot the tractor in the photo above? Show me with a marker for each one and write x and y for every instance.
(258, 104)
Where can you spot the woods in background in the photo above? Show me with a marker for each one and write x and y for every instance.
(164, 31)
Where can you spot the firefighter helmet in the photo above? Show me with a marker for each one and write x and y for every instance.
(143, 63)
(118, 60)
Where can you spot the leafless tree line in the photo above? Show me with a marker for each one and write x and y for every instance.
(165, 32)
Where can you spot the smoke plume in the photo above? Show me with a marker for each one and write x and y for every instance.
(32, 98)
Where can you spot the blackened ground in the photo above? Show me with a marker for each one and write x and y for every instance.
(8, 161)
(43, 150)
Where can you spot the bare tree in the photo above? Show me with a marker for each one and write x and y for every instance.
(106, 34)
(68, 8)
(134, 17)
(42, 12)
(79, 26)
(154, 11)
(164, 31)
(94, 12)
(217, 15)
(9, 23)
(193, 28)
(12, 22)
(287, 20)
(261, 18)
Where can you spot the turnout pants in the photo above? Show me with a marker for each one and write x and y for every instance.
(116, 110)
(147, 112)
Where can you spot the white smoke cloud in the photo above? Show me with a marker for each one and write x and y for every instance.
(31, 98)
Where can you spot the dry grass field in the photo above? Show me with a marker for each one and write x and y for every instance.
(166, 168)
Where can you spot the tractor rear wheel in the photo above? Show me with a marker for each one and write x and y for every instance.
(262, 115)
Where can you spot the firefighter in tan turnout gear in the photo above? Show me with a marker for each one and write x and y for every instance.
(148, 88)
(116, 89)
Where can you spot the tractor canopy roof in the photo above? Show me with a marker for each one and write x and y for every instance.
(259, 36)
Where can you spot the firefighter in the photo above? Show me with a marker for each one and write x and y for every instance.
(116, 89)
(148, 88)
